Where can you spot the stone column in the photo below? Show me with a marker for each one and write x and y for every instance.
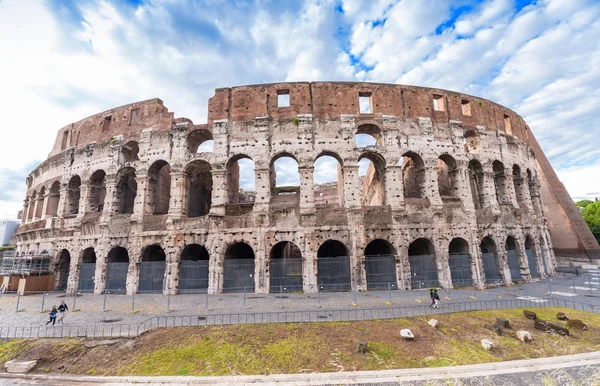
(510, 187)
(100, 273)
(403, 269)
(25, 210)
(133, 274)
(33, 208)
(219, 193)
(477, 270)
(523, 260)
(394, 190)
(464, 185)
(45, 204)
(140, 197)
(171, 279)
(307, 190)
(74, 270)
(431, 182)
(442, 262)
(261, 282)
(110, 183)
(489, 189)
(177, 204)
(351, 186)
(62, 201)
(84, 197)
(263, 189)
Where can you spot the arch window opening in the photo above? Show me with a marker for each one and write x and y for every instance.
(285, 179)
(73, 195)
(199, 184)
(513, 258)
(371, 172)
(328, 185)
(531, 260)
(117, 268)
(159, 188)
(97, 191)
(126, 191)
(380, 265)
(368, 135)
(152, 269)
(448, 177)
(423, 267)
(238, 268)
(413, 175)
(53, 199)
(477, 183)
(241, 180)
(200, 141)
(333, 267)
(40, 203)
(62, 270)
(131, 151)
(519, 184)
(490, 260)
(460, 263)
(285, 267)
(87, 270)
(500, 183)
(193, 269)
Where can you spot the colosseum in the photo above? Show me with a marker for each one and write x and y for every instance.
(430, 188)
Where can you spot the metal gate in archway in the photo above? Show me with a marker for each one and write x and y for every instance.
(381, 271)
(152, 276)
(513, 264)
(286, 274)
(334, 273)
(531, 262)
(116, 277)
(238, 275)
(193, 276)
(460, 269)
(86, 277)
(490, 267)
(423, 271)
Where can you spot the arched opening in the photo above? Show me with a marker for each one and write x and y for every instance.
(199, 185)
(471, 141)
(285, 263)
(117, 268)
(238, 268)
(368, 135)
(423, 268)
(371, 171)
(543, 256)
(159, 188)
(200, 141)
(285, 179)
(529, 251)
(126, 190)
(519, 184)
(413, 175)
(380, 265)
(152, 269)
(476, 181)
(87, 270)
(40, 203)
(447, 173)
(97, 191)
(131, 151)
(241, 180)
(193, 269)
(500, 183)
(328, 181)
(460, 263)
(490, 260)
(513, 258)
(333, 267)
(62, 270)
(73, 195)
(53, 199)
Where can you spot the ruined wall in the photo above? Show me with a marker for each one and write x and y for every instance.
(159, 194)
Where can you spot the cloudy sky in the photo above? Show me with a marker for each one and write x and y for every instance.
(63, 60)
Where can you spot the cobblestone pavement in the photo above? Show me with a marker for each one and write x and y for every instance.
(582, 289)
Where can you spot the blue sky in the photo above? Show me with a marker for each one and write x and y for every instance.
(63, 60)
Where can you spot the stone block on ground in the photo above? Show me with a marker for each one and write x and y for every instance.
(20, 367)
(407, 334)
(502, 322)
(524, 336)
(561, 316)
(362, 347)
(577, 324)
(550, 327)
(434, 323)
(498, 330)
(488, 344)
(530, 315)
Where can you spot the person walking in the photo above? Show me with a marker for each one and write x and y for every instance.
(62, 309)
(52, 316)
(432, 298)
(436, 299)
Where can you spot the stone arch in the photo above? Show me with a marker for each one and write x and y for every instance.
(40, 203)
(531, 256)
(131, 151)
(236, 192)
(126, 190)
(333, 267)
(460, 262)
(423, 267)
(200, 141)
(500, 183)
(159, 188)
(477, 183)
(513, 258)
(152, 269)
(62, 269)
(491, 266)
(117, 269)
(193, 269)
(284, 177)
(199, 185)
(380, 265)
(372, 191)
(53, 199)
(328, 191)
(97, 192)
(285, 267)
(73, 195)
(368, 130)
(413, 175)
(239, 268)
(448, 177)
(87, 270)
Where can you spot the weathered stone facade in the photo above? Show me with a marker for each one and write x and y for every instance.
(449, 173)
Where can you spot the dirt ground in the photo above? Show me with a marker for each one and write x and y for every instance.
(307, 347)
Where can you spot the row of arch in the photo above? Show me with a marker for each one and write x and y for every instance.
(285, 263)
